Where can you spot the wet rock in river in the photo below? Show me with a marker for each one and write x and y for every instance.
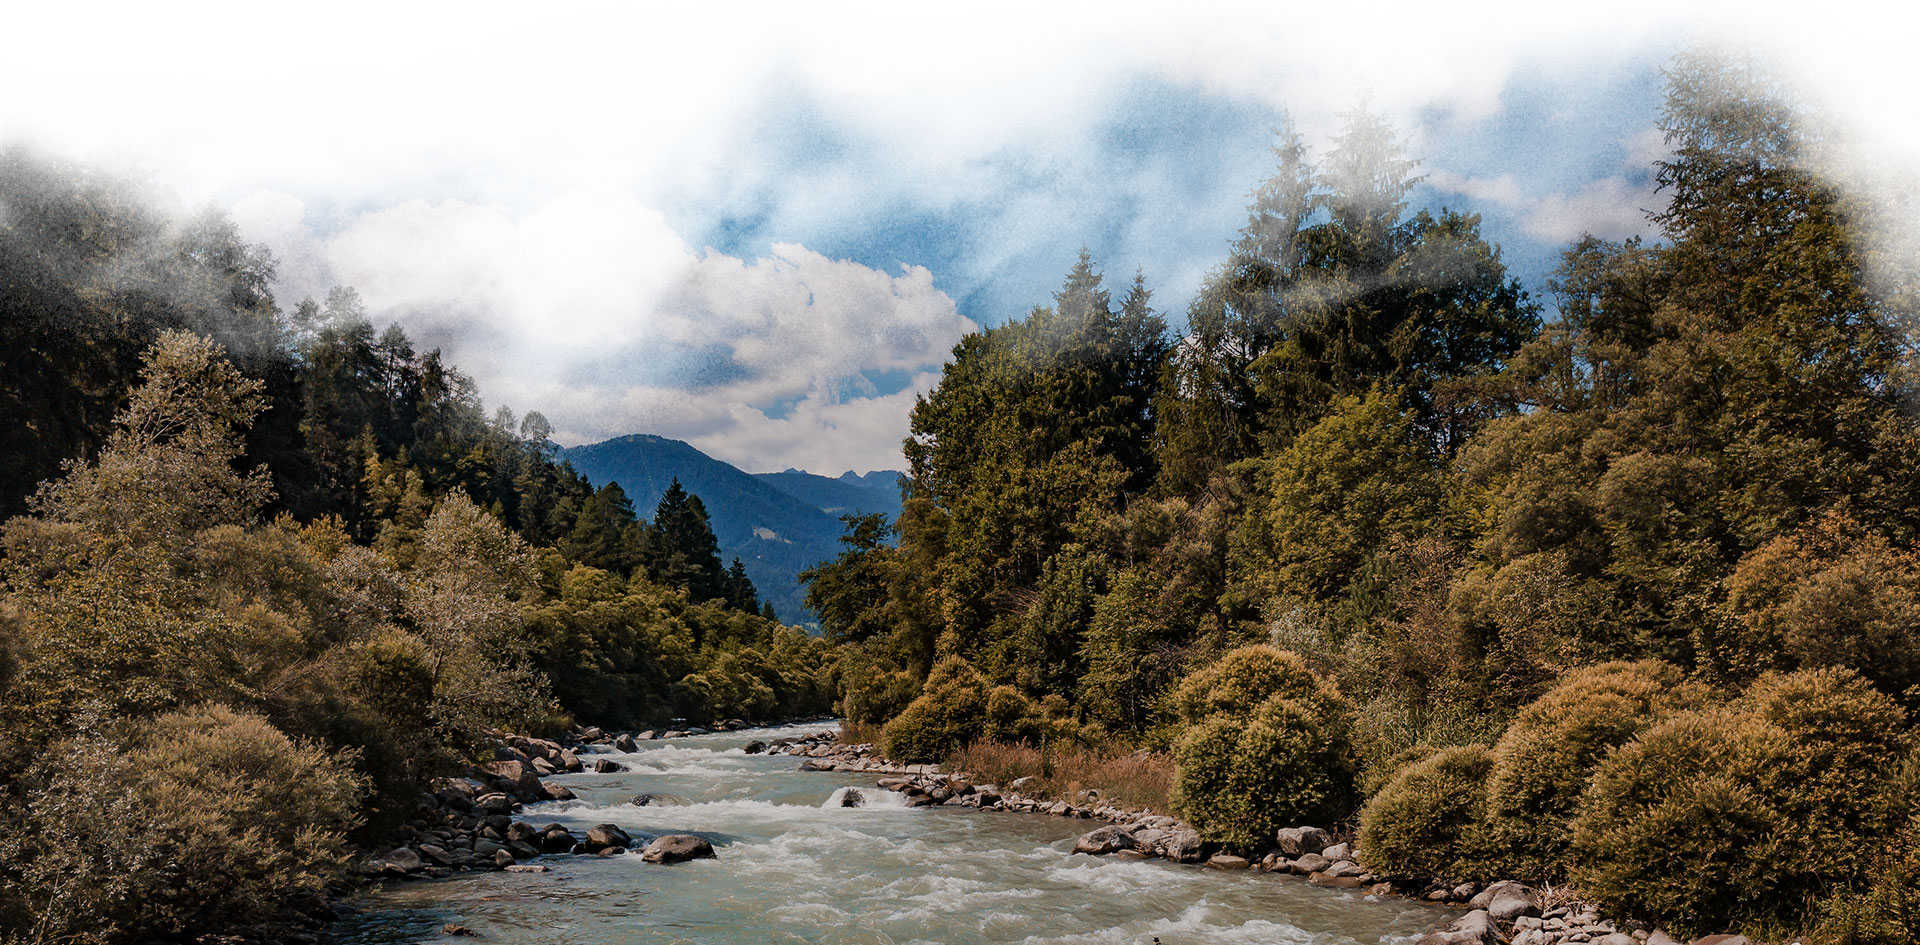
(852, 797)
(605, 766)
(677, 848)
(606, 835)
(1104, 840)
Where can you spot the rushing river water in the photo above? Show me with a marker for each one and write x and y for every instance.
(795, 867)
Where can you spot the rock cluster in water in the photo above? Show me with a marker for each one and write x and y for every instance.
(1503, 913)
(468, 823)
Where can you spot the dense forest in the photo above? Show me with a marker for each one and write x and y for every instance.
(1619, 590)
(264, 572)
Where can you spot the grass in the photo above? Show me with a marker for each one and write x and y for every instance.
(859, 733)
(1122, 776)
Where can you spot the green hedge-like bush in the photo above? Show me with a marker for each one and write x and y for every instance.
(1744, 813)
(1239, 780)
(1428, 822)
(1241, 680)
(1542, 764)
(206, 819)
(1012, 717)
(950, 712)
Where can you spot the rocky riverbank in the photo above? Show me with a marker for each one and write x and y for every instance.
(470, 823)
(1502, 913)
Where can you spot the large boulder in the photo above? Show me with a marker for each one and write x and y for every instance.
(1507, 901)
(676, 848)
(605, 766)
(606, 835)
(1474, 928)
(1294, 841)
(1104, 840)
(402, 860)
(568, 761)
(625, 743)
(1184, 846)
(516, 778)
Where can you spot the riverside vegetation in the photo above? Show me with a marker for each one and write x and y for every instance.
(1624, 602)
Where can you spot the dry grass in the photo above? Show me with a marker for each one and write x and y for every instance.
(859, 733)
(1122, 776)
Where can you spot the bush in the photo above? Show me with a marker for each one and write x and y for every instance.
(1886, 911)
(949, 713)
(874, 696)
(1745, 813)
(1542, 764)
(1833, 594)
(1239, 780)
(1012, 717)
(1428, 822)
(207, 819)
(1245, 678)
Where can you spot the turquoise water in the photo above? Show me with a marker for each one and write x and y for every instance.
(794, 867)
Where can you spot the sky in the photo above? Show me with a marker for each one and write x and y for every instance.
(761, 228)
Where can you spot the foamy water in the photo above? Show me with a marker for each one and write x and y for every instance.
(794, 865)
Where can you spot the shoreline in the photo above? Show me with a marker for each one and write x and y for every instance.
(1500, 913)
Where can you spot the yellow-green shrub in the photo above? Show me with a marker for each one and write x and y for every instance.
(1886, 910)
(1012, 717)
(1241, 680)
(1542, 764)
(1744, 813)
(1240, 779)
(207, 819)
(1428, 822)
(949, 713)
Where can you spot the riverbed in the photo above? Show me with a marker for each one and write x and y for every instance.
(794, 866)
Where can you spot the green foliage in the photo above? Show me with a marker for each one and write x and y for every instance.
(1428, 822)
(1832, 594)
(202, 819)
(948, 714)
(1240, 778)
(1542, 764)
(1886, 909)
(1744, 813)
(1244, 679)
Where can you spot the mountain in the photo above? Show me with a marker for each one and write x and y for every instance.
(777, 524)
(850, 494)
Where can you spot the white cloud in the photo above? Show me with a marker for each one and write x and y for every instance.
(513, 185)
(593, 310)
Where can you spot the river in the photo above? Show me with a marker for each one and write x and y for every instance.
(795, 867)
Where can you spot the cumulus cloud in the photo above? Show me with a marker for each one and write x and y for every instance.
(591, 308)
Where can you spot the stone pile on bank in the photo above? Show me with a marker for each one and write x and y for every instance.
(468, 823)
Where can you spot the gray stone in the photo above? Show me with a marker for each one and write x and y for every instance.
(607, 766)
(1294, 841)
(676, 848)
(1311, 863)
(1339, 851)
(1184, 846)
(402, 860)
(607, 835)
(1507, 901)
(625, 743)
(1227, 861)
(502, 859)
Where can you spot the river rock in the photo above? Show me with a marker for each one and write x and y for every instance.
(625, 742)
(606, 766)
(853, 798)
(1227, 861)
(1185, 846)
(556, 839)
(493, 802)
(402, 860)
(1104, 840)
(436, 853)
(568, 761)
(1474, 928)
(1507, 901)
(606, 835)
(1339, 851)
(755, 747)
(502, 858)
(676, 848)
(516, 778)
(1294, 841)
(555, 792)
(1309, 863)
(1722, 940)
